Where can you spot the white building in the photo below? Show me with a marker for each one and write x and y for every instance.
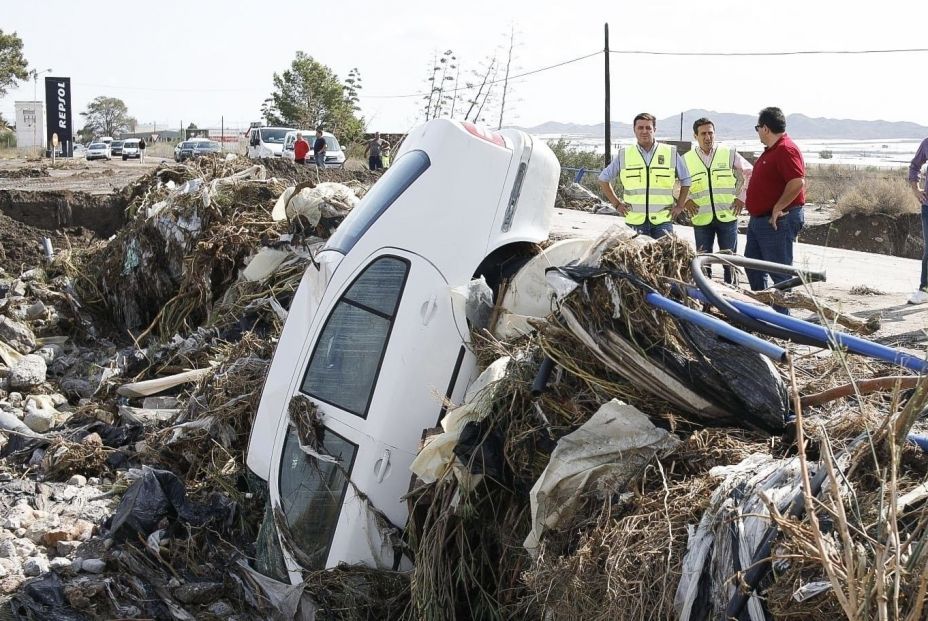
(30, 124)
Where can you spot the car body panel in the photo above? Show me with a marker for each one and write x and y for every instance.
(266, 141)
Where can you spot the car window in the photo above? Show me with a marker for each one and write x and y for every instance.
(273, 136)
(331, 144)
(344, 366)
(98, 145)
(312, 491)
(402, 174)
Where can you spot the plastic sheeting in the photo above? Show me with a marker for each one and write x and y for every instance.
(325, 200)
(438, 454)
(732, 527)
(615, 444)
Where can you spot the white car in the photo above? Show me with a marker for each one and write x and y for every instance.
(130, 148)
(79, 150)
(267, 141)
(375, 339)
(334, 156)
(98, 151)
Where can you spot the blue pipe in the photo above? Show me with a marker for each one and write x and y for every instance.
(579, 177)
(918, 440)
(825, 336)
(717, 326)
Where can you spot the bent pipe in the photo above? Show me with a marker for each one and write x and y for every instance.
(716, 326)
(828, 337)
(711, 296)
(540, 383)
(766, 266)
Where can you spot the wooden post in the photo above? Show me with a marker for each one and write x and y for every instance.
(608, 158)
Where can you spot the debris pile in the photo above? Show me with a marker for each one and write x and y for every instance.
(616, 462)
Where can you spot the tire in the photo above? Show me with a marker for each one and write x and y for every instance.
(124, 158)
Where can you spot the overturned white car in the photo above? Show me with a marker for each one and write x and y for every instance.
(378, 343)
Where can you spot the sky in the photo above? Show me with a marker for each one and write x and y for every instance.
(205, 61)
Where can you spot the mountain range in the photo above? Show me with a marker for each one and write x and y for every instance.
(732, 126)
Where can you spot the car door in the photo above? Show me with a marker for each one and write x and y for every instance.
(382, 366)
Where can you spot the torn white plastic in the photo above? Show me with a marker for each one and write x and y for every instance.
(326, 199)
(437, 455)
(264, 264)
(143, 416)
(160, 384)
(9, 355)
(476, 300)
(617, 442)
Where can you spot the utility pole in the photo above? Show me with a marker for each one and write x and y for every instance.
(608, 98)
(681, 127)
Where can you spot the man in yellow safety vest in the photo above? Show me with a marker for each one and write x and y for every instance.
(720, 177)
(647, 171)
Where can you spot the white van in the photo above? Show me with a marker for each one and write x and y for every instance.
(334, 156)
(267, 141)
(107, 140)
(376, 341)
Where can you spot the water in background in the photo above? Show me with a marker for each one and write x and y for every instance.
(893, 153)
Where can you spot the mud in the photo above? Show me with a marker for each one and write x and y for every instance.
(21, 244)
(25, 173)
(899, 236)
(102, 214)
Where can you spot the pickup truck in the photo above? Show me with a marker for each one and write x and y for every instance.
(378, 343)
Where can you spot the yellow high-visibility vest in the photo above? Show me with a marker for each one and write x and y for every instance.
(712, 188)
(648, 188)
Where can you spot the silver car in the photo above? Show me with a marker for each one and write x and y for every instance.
(98, 151)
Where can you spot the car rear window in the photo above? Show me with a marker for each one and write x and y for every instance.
(384, 193)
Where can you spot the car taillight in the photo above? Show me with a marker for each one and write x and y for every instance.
(485, 134)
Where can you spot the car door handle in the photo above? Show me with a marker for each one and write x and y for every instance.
(382, 466)
(428, 310)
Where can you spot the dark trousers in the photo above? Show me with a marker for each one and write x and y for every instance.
(727, 233)
(319, 158)
(374, 162)
(655, 231)
(923, 283)
(767, 244)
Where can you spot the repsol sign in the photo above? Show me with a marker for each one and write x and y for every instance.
(58, 113)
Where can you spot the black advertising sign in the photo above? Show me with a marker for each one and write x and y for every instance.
(58, 113)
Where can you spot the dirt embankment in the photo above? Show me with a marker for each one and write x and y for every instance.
(899, 236)
(102, 214)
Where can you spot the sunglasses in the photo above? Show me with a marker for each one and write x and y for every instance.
(757, 128)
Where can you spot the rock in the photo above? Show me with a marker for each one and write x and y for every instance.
(3, 571)
(198, 592)
(35, 566)
(52, 538)
(12, 523)
(92, 439)
(48, 353)
(60, 564)
(29, 371)
(36, 311)
(24, 547)
(17, 335)
(93, 565)
(78, 479)
(8, 549)
(39, 420)
(67, 547)
(93, 480)
(15, 399)
(81, 530)
(222, 609)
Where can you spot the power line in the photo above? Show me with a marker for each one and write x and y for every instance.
(489, 82)
(793, 53)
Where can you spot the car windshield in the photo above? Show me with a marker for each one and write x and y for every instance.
(273, 136)
(118, 143)
(98, 145)
(187, 145)
(208, 146)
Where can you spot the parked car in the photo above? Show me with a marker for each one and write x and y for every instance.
(107, 140)
(374, 331)
(98, 151)
(130, 148)
(205, 147)
(334, 156)
(116, 147)
(267, 141)
(79, 150)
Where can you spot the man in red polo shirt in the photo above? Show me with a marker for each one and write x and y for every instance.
(300, 149)
(775, 198)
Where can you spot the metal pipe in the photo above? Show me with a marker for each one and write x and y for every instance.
(716, 326)
(541, 377)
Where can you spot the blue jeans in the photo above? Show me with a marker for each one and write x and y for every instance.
(767, 244)
(727, 233)
(923, 283)
(320, 159)
(655, 231)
